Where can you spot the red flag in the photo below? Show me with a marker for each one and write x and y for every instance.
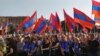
(58, 22)
(53, 22)
(69, 21)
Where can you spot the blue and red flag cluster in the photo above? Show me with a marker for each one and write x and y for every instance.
(80, 19)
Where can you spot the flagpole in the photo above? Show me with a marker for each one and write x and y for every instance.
(94, 29)
(92, 16)
(75, 28)
(74, 24)
(65, 27)
(6, 30)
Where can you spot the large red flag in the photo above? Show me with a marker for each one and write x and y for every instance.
(58, 22)
(69, 21)
(53, 22)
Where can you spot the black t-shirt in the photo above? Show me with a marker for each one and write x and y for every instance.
(84, 48)
(53, 44)
(9, 46)
(45, 45)
(93, 46)
(12, 45)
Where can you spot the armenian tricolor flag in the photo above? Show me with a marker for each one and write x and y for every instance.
(96, 11)
(83, 19)
(40, 25)
(30, 23)
(22, 23)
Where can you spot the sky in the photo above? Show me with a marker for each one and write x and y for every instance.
(43, 7)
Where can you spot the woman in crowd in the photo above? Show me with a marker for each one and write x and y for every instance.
(71, 43)
(84, 45)
(64, 44)
(46, 47)
(76, 46)
(32, 47)
(9, 46)
(93, 45)
(26, 43)
(20, 45)
(55, 47)
(2, 46)
(39, 44)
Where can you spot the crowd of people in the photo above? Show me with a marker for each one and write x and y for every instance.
(51, 44)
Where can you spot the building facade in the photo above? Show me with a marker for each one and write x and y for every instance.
(15, 20)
